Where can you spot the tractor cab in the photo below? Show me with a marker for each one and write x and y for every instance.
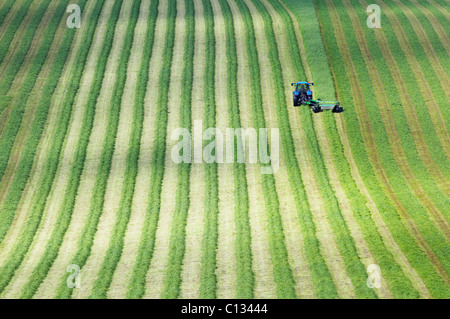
(302, 93)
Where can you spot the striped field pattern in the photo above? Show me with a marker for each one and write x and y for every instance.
(87, 118)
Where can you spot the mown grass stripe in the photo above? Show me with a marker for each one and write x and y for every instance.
(394, 166)
(441, 9)
(25, 43)
(88, 232)
(341, 63)
(12, 28)
(423, 150)
(245, 276)
(285, 284)
(210, 235)
(321, 276)
(429, 87)
(172, 282)
(400, 138)
(27, 234)
(52, 248)
(423, 49)
(346, 245)
(138, 280)
(6, 8)
(436, 20)
(123, 214)
(318, 63)
(9, 135)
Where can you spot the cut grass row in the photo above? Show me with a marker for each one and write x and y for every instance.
(138, 280)
(387, 151)
(12, 28)
(85, 242)
(433, 99)
(282, 272)
(27, 234)
(6, 8)
(25, 43)
(245, 275)
(115, 249)
(210, 235)
(318, 62)
(424, 52)
(341, 67)
(9, 135)
(177, 246)
(356, 269)
(402, 137)
(51, 250)
(322, 279)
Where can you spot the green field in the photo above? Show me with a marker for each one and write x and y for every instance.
(87, 136)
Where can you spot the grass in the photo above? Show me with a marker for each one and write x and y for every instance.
(245, 276)
(177, 246)
(147, 241)
(6, 8)
(21, 53)
(320, 69)
(346, 245)
(55, 241)
(416, 256)
(123, 214)
(16, 256)
(87, 236)
(396, 179)
(9, 135)
(12, 28)
(208, 284)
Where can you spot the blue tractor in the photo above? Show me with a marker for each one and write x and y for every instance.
(302, 93)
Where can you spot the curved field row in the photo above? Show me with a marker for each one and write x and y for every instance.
(403, 156)
(430, 240)
(428, 80)
(22, 14)
(122, 274)
(13, 70)
(17, 255)
(87, 144)
(58, 122)
(227, 267)
(173, 279)
(208, 277)
(191, 268)
(437, 26)
(105, 250)
(27, 88)
(441, 9)
(328, 149)
(417, 259)
(6, 7)
(91, 121)
(373, 228)
(22, 42)
(147, 244)
(160, 259)
(249, 81)
(27, 128)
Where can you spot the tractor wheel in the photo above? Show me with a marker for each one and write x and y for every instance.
(296, 102)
